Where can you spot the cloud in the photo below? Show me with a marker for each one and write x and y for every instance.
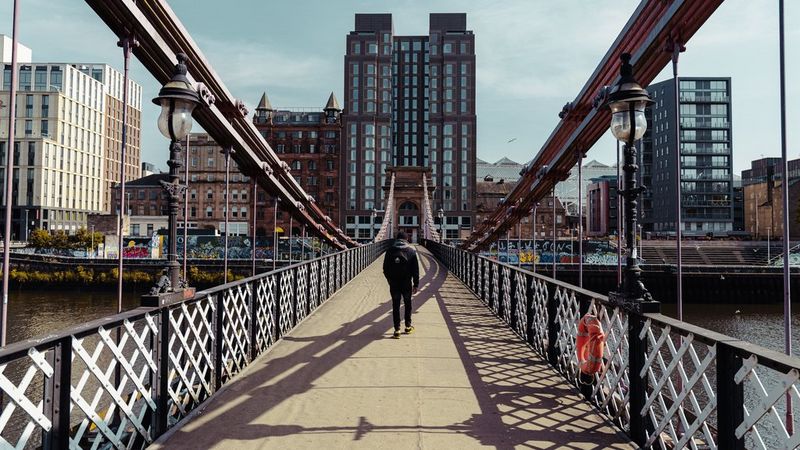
(263, 65)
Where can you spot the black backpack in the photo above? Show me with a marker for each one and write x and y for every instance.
(398, 265)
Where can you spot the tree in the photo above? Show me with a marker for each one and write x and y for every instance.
(59, 240)
(39, 238)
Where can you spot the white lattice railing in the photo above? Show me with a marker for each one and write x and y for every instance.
(122, 381)
(693, 388)
(387, 224)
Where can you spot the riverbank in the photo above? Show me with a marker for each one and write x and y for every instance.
(106, 279)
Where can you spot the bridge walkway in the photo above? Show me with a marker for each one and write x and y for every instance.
(338, 380)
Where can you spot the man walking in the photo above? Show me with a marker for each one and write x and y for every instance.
(401, 269)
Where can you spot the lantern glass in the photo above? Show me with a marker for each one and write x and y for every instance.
(621, 123)
(178, 114)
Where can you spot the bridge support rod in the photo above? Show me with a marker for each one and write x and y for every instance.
(675, 47)
(12, 103)
(787, 298)
(227, 151)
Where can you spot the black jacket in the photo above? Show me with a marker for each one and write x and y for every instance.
(400, 265)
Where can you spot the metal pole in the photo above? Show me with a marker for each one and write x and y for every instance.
(186, 208)
(769, 256)
(12, 108)
(127, 44)
(227, 152)
(508, 245)
(519, 243)
(533, 255)
(303, 244)
(255, 222)
(676, 51)
(275, 234)
(173, 188)
(554, 231)
(619, 221)
(291, 225)
(580, 218)
(633, 287)
(92, 242)
(787, 300)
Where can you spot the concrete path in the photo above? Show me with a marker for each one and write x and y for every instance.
(338, 381)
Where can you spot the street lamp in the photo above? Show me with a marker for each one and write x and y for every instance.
(441, 225)
(178, 98)
(627, 102)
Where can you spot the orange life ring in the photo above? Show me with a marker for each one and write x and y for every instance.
(590, 344)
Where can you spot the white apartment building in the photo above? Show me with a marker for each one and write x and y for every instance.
(68, 128)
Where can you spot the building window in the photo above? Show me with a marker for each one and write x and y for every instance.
(209, 211)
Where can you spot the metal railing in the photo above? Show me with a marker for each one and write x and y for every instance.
(124, 380)
(666, 383)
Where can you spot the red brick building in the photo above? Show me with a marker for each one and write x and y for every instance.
(308, 141)
(491, 193)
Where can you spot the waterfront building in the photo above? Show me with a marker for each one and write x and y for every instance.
(308, 140)
(706, 158)
(24, 54)
(67, 142)
(763, 214)
(409, 106)
(148, 168)
(764, 169)
(491, 192)
(567, 190)
(602, 206)
(206, 189)
(503, 169)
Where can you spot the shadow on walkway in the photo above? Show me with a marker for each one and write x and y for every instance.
(463, 380)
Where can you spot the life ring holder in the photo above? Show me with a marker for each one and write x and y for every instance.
(590, 345)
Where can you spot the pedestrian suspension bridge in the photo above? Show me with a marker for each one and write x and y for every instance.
(300, 357)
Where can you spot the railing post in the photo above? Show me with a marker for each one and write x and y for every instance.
(512, 322)
(217, 323)
(552, 327)
(252, 308)
(529, 312)
(161, 384)
(730, 398)
(638, 385)
(276, 313)
(56, 394)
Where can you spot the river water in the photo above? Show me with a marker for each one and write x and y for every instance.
(35, 313)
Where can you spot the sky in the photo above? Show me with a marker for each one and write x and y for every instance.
(533, 56)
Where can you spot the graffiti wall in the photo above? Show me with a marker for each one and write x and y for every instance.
(564, 252)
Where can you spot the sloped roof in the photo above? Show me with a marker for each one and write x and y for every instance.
(504, 161)
(264, 103)
(150, 180)
(332, 103)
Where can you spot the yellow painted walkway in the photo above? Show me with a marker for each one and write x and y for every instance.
(338, 381)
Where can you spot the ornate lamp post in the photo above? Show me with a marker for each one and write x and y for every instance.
(178, 98)
(627, 102)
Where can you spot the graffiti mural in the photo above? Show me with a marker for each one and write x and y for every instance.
(564, 252)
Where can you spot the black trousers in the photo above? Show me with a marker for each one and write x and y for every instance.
(397, 293)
